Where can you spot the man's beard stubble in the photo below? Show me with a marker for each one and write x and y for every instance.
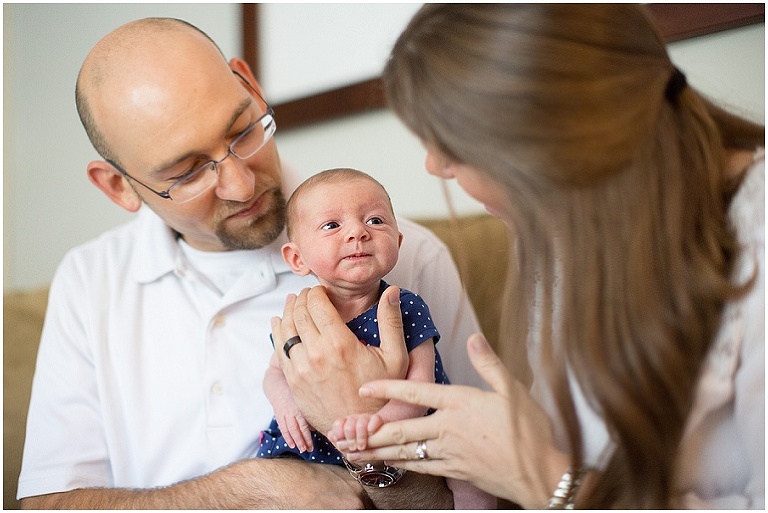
(260, 231)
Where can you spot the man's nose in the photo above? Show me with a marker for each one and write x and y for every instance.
(236, 180)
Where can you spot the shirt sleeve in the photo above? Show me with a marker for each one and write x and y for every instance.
(742, 486)
(417, 320)
(65, 444)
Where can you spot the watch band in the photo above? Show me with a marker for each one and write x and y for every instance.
(374, 474)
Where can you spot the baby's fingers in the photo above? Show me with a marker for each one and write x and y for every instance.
(350, 432)
(306, 432)
(336, 434)
(285, 428)
(361, 432)
(374, 424)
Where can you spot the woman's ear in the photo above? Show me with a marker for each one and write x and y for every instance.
(292, 257)
(112, 183)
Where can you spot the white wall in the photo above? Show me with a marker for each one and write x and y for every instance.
(339, 44)
(49, 206)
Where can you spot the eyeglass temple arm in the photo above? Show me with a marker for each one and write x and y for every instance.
(162, 194)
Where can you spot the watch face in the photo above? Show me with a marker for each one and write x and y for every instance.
(376, 478)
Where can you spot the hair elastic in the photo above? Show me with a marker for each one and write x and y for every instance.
(675, 85)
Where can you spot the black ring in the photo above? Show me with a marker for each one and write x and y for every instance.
(289, 344)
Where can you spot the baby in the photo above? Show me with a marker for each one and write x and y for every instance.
(342, 228)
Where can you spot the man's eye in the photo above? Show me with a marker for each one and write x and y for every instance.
(180, 176)
(375, 220)
(183, 174)
(330, 226)
(186, 175)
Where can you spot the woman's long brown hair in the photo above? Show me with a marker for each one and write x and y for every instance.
(622, 250)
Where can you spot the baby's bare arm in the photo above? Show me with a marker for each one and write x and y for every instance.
(294, 427)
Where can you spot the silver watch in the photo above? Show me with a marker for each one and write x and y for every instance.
(376, 474)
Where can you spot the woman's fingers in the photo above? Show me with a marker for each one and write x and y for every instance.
(399, 455)
(424, 394)
(488, 364)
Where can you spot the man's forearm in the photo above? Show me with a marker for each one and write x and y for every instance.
(413, 491)
(250, 484)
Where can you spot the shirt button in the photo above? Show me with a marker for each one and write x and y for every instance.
(219, 321)
(217, 389)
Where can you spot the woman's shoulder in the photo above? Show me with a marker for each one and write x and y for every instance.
(747, 210)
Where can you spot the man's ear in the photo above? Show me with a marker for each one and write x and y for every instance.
(239, 65)
(399, 240)
(114, 185)
(292, 257)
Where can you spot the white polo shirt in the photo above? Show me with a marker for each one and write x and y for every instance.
(147, 376)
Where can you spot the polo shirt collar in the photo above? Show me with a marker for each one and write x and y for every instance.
(157, 252)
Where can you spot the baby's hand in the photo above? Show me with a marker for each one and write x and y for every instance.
(296, 430)
(351, 433)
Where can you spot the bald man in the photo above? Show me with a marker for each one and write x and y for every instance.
(148, 390)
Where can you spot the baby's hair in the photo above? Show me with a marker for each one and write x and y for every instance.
(336, 175)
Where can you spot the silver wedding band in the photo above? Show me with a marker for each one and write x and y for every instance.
(289, 344)
(421, 451)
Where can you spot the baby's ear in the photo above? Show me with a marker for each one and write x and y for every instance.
(292, 257)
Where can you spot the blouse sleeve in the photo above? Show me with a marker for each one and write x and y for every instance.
(723, 452)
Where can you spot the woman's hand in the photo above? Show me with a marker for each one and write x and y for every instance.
(328, 367)
(501, 441)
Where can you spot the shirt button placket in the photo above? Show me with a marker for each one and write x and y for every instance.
(219, 409)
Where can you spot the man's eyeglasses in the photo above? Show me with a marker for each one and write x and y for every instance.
(202, 178)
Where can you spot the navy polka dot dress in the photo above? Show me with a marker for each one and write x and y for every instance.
(418, 327)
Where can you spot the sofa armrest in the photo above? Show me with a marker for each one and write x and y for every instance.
(23, 315)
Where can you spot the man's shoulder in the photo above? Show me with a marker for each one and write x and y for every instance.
(122, 236)
(408, 225)
(418, 238)
(119, 245)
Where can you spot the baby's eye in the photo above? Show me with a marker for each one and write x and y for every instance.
(375, 220)
(330, 226)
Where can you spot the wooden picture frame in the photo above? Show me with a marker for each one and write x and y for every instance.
(676, 22)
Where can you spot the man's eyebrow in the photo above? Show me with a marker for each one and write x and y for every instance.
(165, 166)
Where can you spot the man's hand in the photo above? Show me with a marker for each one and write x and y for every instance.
(326, 370)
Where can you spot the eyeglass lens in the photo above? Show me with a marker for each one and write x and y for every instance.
(245, 146)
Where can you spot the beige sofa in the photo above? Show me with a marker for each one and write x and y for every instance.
(478, 244)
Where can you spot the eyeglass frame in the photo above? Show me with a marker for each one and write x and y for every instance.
(166, 194)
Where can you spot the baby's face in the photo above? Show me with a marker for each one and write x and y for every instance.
(347, 233)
